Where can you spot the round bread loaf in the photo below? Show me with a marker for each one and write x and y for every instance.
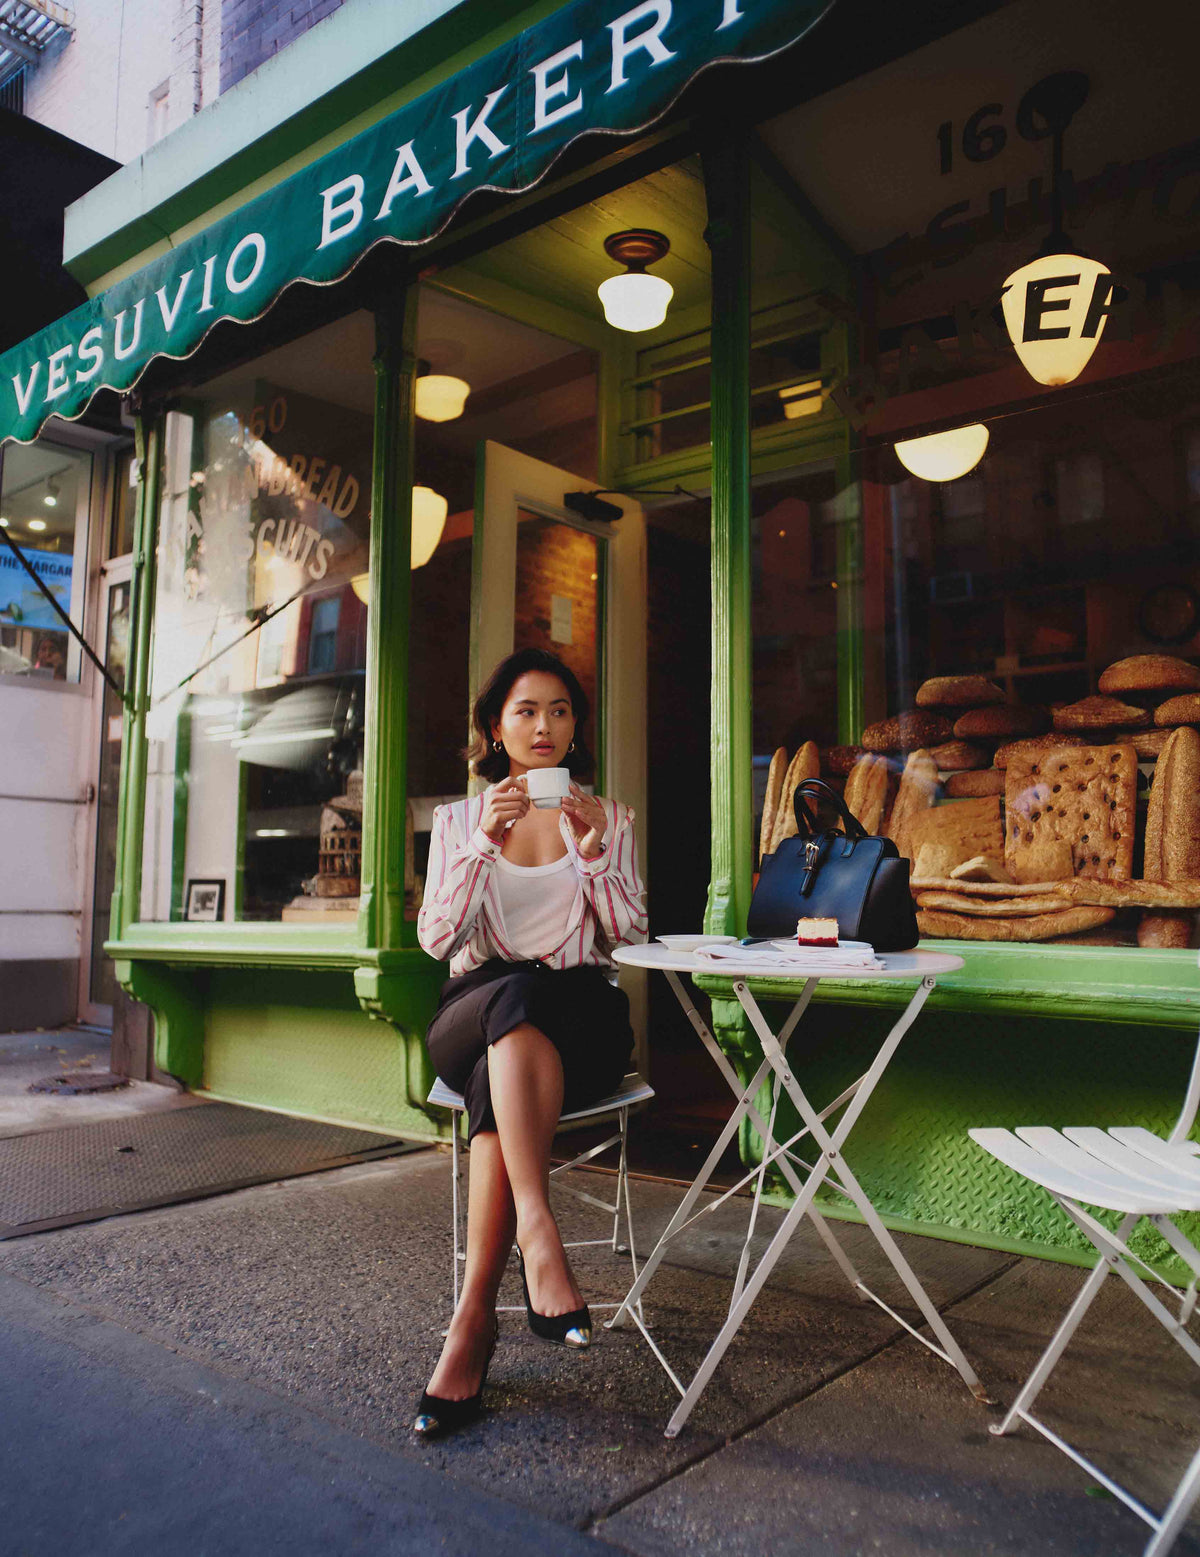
(959, 756)
(1166, 928)
(1150, 673)
(1100, 713)
(1001, 722)
(984, 781)
(958, 692)
(1149, 743)
(1184, 709)
(839, 760)
(1034, 746)
(907, 732)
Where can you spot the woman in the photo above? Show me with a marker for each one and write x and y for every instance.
(527, 905)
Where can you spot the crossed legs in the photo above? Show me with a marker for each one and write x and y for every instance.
(509, 1193)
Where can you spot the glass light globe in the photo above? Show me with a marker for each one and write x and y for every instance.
(361, 585)
(441, 398)
(944, 456)
(635, 301)
(1054, 315)
(429, 510)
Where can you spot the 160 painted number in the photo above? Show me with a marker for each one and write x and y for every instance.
(984, 134)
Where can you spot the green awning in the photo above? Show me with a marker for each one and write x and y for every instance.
(595, 65)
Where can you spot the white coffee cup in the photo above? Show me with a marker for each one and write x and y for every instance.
(547, 787)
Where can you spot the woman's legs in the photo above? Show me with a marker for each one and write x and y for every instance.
(490, 1226)
(509, 1192)
(525, 1077)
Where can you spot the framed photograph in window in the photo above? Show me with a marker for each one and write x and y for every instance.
(204, 901)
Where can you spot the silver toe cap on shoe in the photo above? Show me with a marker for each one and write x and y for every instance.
(426, 1426)
(579, 1336)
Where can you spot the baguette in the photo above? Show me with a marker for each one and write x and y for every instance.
(804, 765)
(991, 907)
(1173, 818)
(982, 888)
(775, 774)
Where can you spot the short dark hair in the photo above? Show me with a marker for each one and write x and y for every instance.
(493, 765)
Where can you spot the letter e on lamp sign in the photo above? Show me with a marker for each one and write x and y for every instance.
(1054, 310)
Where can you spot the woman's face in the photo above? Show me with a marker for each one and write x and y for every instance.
(536, 723)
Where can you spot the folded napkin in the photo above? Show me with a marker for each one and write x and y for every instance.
(800, 959)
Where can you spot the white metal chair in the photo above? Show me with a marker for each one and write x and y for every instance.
(633, 1089)
(1134, 1172)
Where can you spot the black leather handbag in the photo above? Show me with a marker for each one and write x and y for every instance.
(860, 881)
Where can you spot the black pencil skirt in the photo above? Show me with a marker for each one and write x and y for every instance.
(584, 1016)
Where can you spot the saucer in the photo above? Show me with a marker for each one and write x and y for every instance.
(687, 943)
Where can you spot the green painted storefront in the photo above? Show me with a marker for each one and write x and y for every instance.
(328, 1023)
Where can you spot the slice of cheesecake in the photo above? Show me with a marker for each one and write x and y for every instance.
(817, 932)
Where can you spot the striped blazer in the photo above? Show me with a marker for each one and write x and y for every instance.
(461, 919)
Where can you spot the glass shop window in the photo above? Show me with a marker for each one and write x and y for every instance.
(976, 577)
(255, 789)
(44, 494)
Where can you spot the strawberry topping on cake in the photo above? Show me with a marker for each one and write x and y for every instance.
(817, 932)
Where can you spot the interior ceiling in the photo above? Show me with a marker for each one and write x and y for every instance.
(27, 468)
(564, 259)
(867, 154)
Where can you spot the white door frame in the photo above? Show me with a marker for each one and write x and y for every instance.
(508, 482)
(112, 574)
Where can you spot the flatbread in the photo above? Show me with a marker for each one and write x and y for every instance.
(775, 776)
(1083, 796)
(1042, 927)
(965, 827)
(981, 888)
(981, 868)
(991, 907)
(1132, 894)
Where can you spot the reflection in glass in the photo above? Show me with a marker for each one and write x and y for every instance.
(258, 704)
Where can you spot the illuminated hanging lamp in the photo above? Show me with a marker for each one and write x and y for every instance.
(636, 301)
(440, 396)
(944, 456)
(429, 510)
(1055, 307)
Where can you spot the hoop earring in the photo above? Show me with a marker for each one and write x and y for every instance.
(497, 746)
(570, 748)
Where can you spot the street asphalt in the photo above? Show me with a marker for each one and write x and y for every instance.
(238, 1375)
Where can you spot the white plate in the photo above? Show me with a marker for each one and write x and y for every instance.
(687, 943)
(842, 946)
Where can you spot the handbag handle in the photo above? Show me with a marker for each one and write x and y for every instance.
(806, 822)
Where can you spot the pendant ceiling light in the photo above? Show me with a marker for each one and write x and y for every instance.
(944, 456)
(440, 397)
(636, 301)
(1055, 307)
(429, 510)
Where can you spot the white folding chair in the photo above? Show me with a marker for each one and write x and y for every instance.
(1136, 1173)
(633, 1089)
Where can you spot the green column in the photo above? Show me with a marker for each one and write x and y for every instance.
(727, 184)
(381, 907)
(131, 800)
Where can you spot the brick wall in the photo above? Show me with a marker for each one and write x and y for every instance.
(553, 559)
(99, 86)
(254, 30)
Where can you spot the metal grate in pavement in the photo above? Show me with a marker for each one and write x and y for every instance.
(80, 1173)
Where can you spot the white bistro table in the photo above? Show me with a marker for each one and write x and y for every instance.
(828, 1142)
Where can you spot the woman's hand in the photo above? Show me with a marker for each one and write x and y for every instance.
(586, 820)
(506, 802)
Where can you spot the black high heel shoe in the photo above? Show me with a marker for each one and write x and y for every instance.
(436, 1417)
(573, 1329)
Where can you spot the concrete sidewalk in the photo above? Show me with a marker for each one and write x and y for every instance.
(240, 1373)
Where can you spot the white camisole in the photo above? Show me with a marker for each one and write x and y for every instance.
(535, 904)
